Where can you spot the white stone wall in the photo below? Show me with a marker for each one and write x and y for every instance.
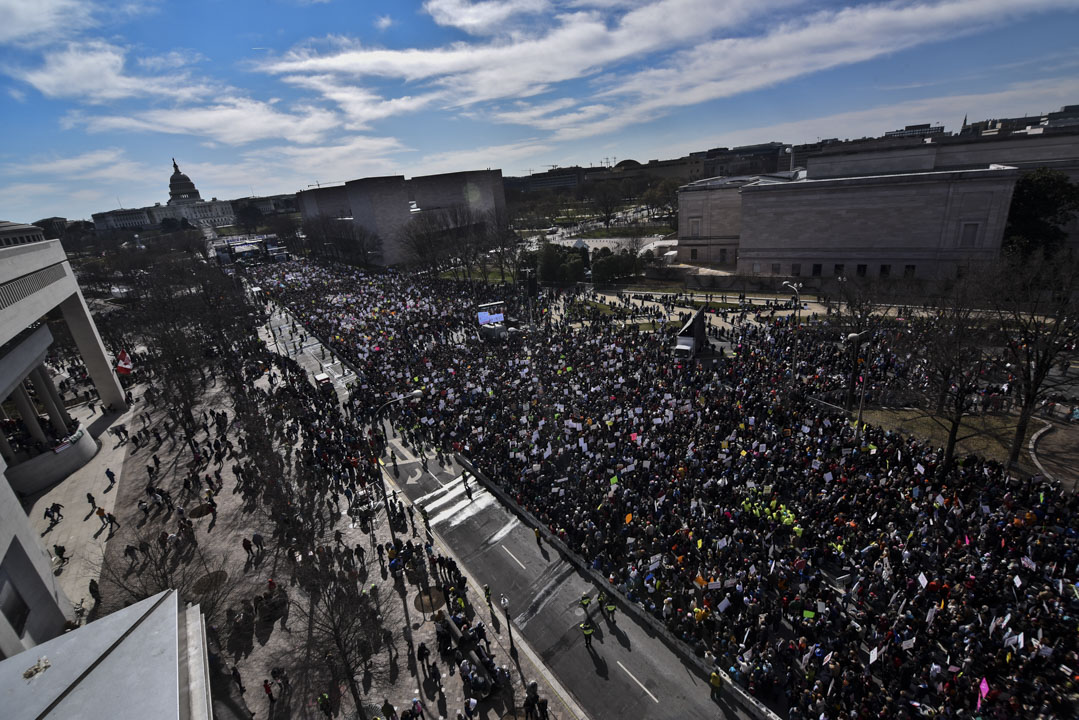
(709, 221)
(894, 221)
(380, 205)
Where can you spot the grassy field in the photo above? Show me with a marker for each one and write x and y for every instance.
(493, 275)
(989, 436)
(621, 231)
(660, 326)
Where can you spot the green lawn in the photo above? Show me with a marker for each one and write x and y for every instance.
(621, 231)
(493, 274)
(989, 436)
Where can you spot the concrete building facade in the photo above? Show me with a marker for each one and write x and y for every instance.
(908, 206)
(36, 278)
(914, 225)
(384, 206)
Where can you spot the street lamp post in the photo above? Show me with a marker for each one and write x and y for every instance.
(505, 603)
(378, 419)
(797, 322)
(855, 341)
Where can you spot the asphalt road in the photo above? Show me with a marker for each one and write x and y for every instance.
(628, 673)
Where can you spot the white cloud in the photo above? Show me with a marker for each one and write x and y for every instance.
(94, 71)
(726, 67)
(230, 120)
(360, 105)
(170, 60)
(1014, 101)
(481, 18)
(580, 44)
(383, 22)
(16, 197)
(39, 22)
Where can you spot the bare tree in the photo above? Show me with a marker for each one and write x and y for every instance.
(420, 240)
(952, 348)
(345, 629)
(200, 576)
(1036, 314)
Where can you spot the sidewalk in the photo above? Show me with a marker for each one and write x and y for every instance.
(1058, 452)
(81, 532)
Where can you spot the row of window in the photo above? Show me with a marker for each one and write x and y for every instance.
(884, 270)
(722, 255)
(9, 240)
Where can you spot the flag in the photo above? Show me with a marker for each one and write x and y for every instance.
(123, 363)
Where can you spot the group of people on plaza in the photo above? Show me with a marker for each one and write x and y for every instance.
(830, 570)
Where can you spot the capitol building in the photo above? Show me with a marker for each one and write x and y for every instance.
(184, 203)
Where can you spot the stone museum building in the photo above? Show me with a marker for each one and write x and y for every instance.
(383, 206)
(185, 203)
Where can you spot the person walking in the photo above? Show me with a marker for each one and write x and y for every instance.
(60, 552)
(111, 521)
(95, 590)
(268, 689)
(111, 476)
(539, 537)
(90, 499)
(248, 548)
(237, 679)
(56, 507)
(422, 654)
(585, 602)
(324, 704)
(587, 629)
(101, 515)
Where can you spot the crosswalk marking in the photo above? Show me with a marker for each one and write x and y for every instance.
(452, 504)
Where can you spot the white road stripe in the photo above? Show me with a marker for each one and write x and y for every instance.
(441, 496)
(481, 503)
(637, 681)
(524, 568)
(504, 530)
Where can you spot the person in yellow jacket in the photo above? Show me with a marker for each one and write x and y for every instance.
(716, 683)
(587, 629)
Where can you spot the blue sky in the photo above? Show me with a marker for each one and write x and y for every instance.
(271, 96)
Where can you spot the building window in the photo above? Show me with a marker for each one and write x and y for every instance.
(885, 270)
(968, 235)
(723, 256)
(12, 605)
(775, 268)
(816, 269)
(960, 271)
(908, 271)
(838, 270)
(796, 269)
(693, 253)
(756, 268)
(695, 227)
(861, 270)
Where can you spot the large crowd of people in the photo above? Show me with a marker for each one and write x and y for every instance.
(833, 571)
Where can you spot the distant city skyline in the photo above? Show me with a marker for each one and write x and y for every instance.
(273, 96)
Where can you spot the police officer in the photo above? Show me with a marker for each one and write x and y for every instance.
(587, 629)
